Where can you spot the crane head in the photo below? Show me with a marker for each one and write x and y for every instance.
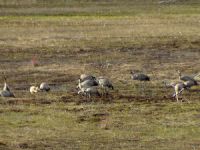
(132, 72)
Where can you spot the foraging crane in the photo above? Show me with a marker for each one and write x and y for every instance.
(84, 77)
(189, 84)
(105, 84)
(44, 87)
(139, 76)
(171, 84)
(179, 87)
(87, 83)
(186, 78)
(6, 87)
(89, 91)
(6, 92)
(34, 89)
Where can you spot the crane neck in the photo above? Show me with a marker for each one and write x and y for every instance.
(6, 88)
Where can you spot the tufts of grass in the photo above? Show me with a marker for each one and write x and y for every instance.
(100, 38)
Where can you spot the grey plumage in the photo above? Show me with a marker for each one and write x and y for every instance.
(6, 92)
(189, 84)
(139, 76)
(88, 92)
(169, 84)
(180, 87)
(87, 83)
(187, 78)
(105, 84)
(44, 87)
(84, 77)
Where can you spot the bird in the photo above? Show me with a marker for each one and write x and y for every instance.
(186, 78)
(34, 89)
(105, 84)
(84, 77)
(139, 76)
(6, 87)
(81, 92)
(189, 84)
(87, 83)
(89, 91)
(170, 84)
(6, 92)
(179, 87)
(44, 87)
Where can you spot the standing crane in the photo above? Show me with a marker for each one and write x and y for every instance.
(6, 92)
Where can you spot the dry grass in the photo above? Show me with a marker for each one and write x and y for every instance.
(135, 115)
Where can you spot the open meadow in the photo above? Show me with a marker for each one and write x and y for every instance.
(103, 38)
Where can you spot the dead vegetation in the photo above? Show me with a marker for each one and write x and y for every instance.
(104, 39)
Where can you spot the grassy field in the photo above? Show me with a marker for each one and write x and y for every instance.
(107, 38)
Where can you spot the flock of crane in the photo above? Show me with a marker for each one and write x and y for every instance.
(89, 85)
(184, 82)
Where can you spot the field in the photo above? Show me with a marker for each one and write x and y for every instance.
(103, 38)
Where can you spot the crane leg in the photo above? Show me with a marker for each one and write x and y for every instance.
(89, 96)
(106, 92)
(177, 93)
(177, 97)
